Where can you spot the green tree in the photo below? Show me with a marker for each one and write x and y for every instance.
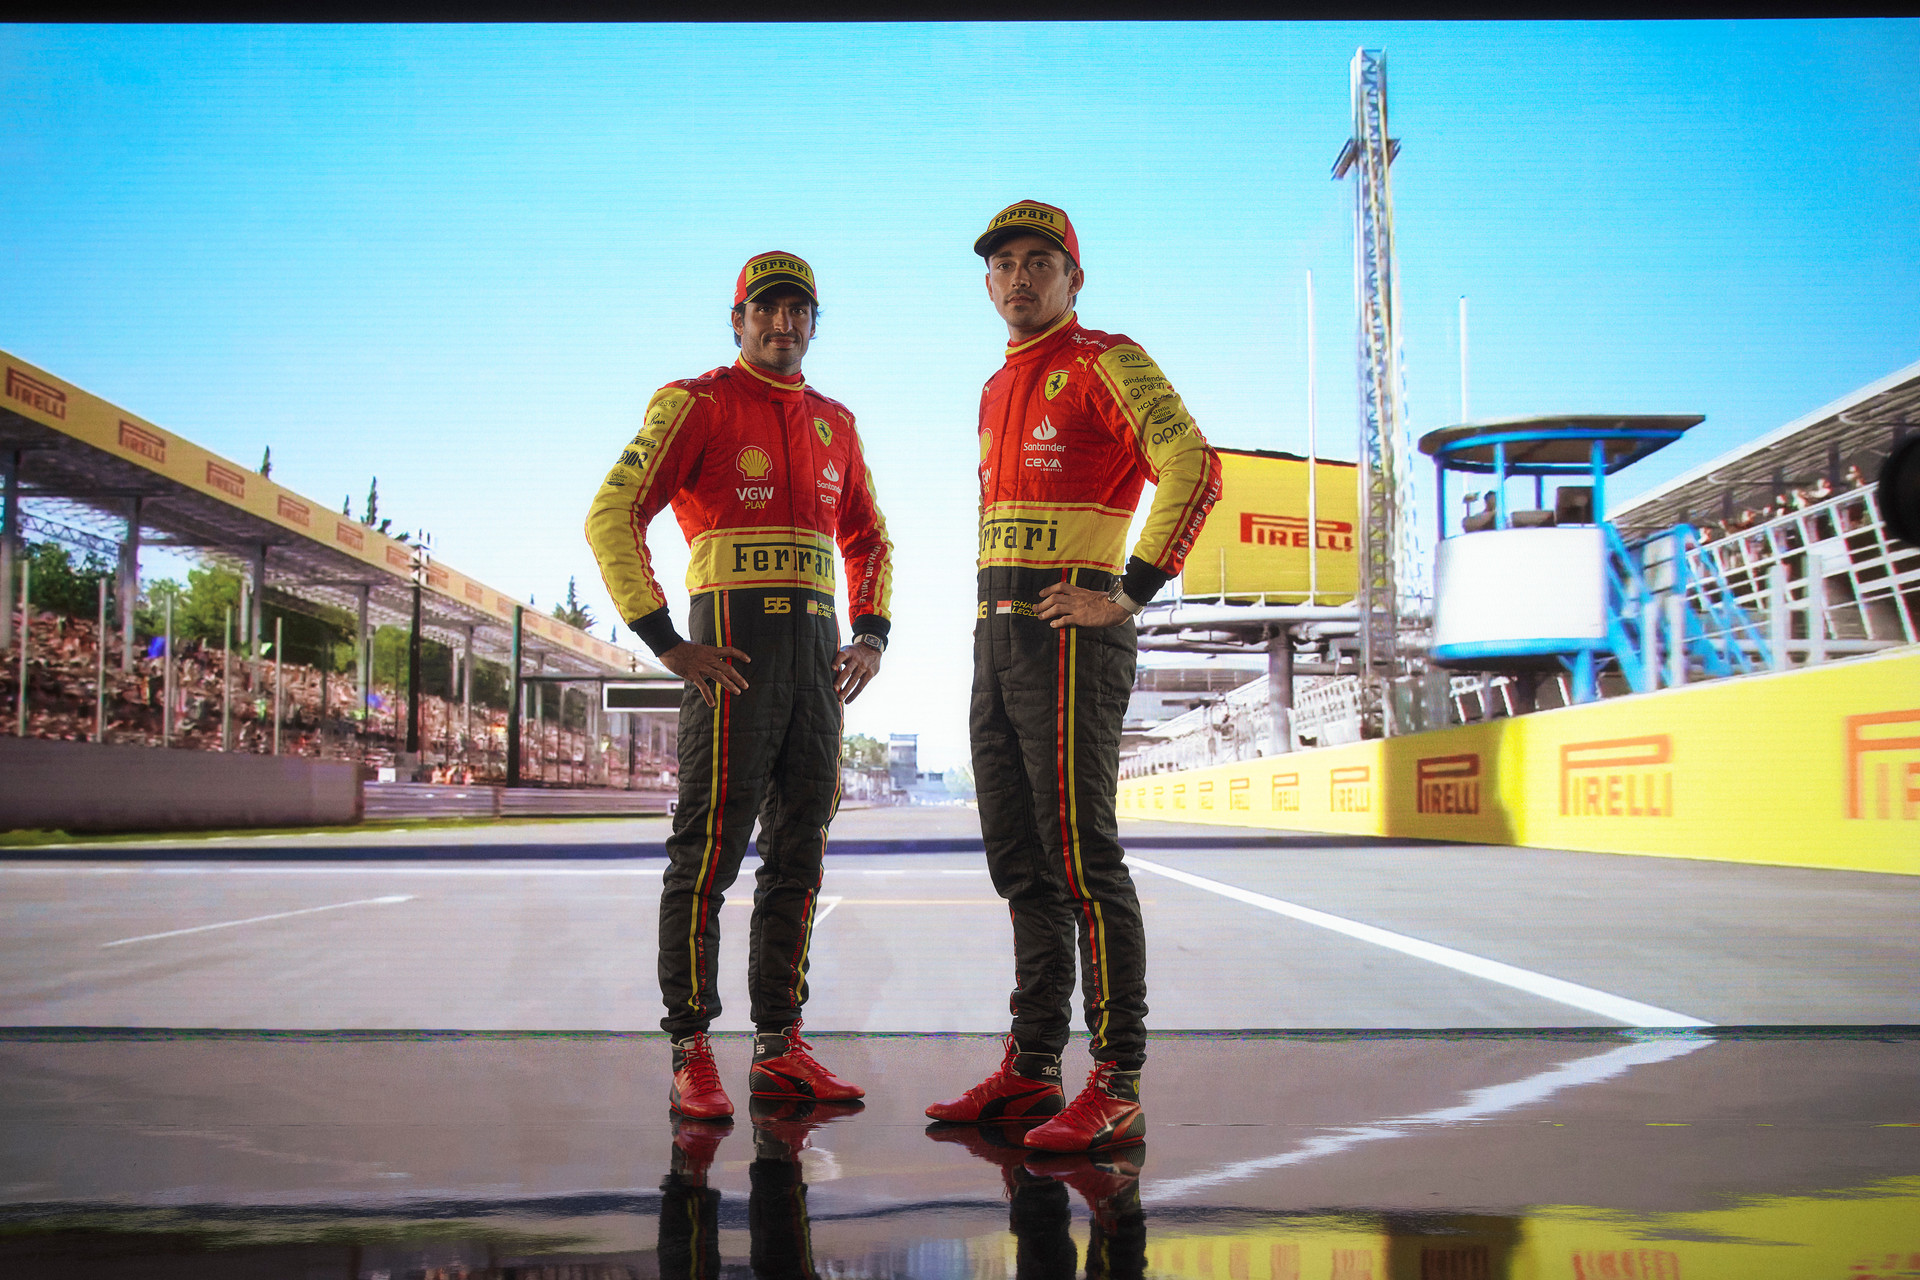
(373, 503)
(61, 586)
(266, 463)
(862, 752)
(489, 684)
(574, 613)
(315, 635)
(390, 663)
(199, 606)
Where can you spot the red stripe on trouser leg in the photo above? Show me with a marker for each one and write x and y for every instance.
(1043, 720)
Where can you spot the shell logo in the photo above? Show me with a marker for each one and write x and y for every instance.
(754, 463)
(986, 443)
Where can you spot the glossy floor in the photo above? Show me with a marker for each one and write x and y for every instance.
(1327, 1156)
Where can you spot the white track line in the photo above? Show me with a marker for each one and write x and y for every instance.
(1619, 1008)
(278, 915)
(1479, 1104)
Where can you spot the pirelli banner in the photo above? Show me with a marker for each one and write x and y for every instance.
(1257, 539)
(1861, 1232)
(1811, 768)
(57, 404)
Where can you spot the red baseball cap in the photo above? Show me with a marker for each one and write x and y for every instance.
(1029, 217)
(766, 270)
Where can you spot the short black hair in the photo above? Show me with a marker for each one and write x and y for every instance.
(740, 308)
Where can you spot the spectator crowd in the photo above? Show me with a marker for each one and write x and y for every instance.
(320, 713)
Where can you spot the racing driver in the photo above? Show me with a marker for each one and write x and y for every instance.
(765, 476)
(1072, 426)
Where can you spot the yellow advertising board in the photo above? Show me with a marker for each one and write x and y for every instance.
(1256, 541)
(1818, 767)
(53, 402)
(1868, 1233)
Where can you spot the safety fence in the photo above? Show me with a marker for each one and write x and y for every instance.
(201, 697)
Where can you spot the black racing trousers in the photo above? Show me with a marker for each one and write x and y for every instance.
(772, 752)
(780, 1243)
(1045, 725)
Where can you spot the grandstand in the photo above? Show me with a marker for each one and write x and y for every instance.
(1779, 545)
(100, 479)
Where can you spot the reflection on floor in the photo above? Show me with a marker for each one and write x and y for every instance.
(1459, 1156)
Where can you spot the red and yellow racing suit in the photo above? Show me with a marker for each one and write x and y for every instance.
(767, 480)
(1071, 428)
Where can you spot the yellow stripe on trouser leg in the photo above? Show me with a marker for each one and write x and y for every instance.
(715, 796)
(1096, 927)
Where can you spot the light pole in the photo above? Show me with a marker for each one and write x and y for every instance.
(421, 558)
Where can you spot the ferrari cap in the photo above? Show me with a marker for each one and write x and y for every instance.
(1029, 217)
(767, 270)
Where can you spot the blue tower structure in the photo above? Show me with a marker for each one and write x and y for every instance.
(1554, 586)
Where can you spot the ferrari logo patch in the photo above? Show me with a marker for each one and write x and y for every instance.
(1056, 380)
(821, 429)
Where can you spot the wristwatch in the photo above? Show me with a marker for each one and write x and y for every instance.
(877, 643)
(1117, 593)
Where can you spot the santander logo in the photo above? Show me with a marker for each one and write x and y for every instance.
(1046, 430)
(831, 475)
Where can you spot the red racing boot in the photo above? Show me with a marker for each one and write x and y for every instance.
(1106, 1114)
(1110, 1183)
(783, 1068)
(784, 1127)
(1025, 1088)
(694, 1142)
(997, 1144)
(697, 1093)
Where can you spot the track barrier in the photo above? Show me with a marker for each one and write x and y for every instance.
(90, 786)
(1814, 767)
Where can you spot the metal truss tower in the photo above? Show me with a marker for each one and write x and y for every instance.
(1390, 565)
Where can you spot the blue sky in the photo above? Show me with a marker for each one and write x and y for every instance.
(462, 258)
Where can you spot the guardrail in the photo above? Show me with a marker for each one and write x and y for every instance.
(391, 800)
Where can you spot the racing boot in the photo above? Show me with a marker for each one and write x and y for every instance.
(783, 1127)
(1106, 1114)
(694, 1142)
(1025, 1088)
(783, 1068)
(1036, 1202)
(688, 1247)
(997, 1144)
(697, 1093)
(1109, 1181)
